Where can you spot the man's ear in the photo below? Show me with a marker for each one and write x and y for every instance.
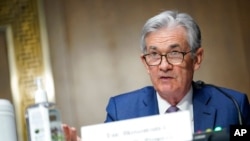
(198, 58)
(144, 63)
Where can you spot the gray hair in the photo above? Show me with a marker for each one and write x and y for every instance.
(173, 18)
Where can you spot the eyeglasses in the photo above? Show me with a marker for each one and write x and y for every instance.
(174, 58)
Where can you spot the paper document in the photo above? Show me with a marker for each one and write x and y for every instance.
(167, 127)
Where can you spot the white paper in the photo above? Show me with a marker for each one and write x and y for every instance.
(167, 127)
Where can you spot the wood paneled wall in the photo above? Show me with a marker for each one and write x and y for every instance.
(94, 48)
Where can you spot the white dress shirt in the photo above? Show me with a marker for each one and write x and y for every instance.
(185, 104)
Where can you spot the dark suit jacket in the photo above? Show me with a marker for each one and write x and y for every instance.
(211, 108)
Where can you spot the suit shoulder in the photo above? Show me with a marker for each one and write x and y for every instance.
(223, 91)
(137, 92)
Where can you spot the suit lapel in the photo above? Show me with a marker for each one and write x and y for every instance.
(149, 102)
(204, 115)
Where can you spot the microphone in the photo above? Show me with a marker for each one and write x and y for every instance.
(200, 84)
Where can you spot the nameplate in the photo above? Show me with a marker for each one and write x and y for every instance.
(167, 127)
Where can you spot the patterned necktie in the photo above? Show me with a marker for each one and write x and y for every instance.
(172, 109)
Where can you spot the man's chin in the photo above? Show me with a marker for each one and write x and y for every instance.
(166, 88)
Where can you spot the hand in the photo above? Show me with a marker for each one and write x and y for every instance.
(70, 133)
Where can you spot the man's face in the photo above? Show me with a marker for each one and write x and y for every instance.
(171, 79)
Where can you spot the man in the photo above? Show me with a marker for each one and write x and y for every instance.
(171, 53)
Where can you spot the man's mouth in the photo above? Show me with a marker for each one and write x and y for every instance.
(166, 77)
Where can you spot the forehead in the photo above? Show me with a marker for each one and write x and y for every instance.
(167, 37)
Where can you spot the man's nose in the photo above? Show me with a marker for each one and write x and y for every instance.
(164, 63)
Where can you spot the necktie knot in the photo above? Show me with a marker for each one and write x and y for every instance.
(172, 109)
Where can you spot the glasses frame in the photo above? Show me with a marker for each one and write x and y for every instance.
(165, 55)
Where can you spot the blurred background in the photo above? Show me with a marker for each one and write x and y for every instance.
(87, 51)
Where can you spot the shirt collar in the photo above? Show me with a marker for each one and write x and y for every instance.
(185, 104)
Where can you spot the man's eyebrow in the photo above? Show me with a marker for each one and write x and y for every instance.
(171, 46)
(152, 47)
(174, 46)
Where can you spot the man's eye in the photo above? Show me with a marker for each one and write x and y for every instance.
(154, 54)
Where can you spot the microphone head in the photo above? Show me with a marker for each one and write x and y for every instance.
(199, 84)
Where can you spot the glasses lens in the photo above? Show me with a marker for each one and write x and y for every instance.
(153, 59)
(175, 57)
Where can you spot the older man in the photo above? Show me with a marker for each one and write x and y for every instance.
(171, 53)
